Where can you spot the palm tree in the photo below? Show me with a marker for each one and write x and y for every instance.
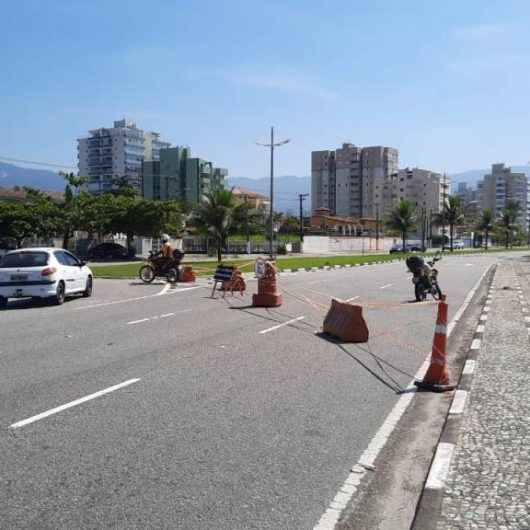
(485, 225)
(215, 216)
(402, 219)
(508, 220)
(452, 215)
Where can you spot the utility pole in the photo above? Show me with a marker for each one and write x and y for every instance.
(247, 232)
(302, 196)
(272, 145)
(377, 227)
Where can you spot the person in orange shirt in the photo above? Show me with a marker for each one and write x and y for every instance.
(167, 249)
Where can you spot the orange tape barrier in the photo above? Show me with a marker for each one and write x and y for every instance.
(345, 321)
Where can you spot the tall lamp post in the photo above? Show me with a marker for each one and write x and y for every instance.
(272, 145)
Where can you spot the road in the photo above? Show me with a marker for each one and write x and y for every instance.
(230, 417)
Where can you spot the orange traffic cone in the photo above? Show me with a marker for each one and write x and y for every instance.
(437, 376)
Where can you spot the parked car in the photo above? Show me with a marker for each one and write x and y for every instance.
(105, 251)
(458, 245)
(409, 248)
(43, 273)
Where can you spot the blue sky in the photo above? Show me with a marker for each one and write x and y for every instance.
(447, 83)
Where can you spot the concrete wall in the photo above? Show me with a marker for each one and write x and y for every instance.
(330, 245)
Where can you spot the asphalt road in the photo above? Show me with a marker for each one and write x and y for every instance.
(224, 422)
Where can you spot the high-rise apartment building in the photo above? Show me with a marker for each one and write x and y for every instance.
(111, 154)
(424, 188)
(179, 176)
(350, 180)
(503, 185)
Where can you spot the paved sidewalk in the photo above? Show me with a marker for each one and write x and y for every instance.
(489, 479)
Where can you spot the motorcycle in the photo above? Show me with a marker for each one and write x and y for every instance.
(159, 266)
(424, 277)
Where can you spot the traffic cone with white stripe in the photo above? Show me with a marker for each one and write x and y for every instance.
(437, 376)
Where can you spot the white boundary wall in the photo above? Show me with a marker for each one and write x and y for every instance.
(337, 244)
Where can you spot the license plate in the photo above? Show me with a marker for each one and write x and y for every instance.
(19, 277)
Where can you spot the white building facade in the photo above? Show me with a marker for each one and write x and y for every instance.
(111, 154)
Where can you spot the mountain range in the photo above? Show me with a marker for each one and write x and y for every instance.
(286, 188)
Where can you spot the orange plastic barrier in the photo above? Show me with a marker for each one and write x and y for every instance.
(437, 376)
(268, 294)
(187, 274)
(346, 322)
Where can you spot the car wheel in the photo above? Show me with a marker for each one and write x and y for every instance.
(87, 293)
(3, 302)
(60, 294)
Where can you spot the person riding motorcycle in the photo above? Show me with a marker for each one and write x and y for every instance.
(419, 269)
(166, 251)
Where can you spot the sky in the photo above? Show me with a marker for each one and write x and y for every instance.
(447, 83)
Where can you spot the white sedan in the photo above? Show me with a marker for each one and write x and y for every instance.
(48, 273)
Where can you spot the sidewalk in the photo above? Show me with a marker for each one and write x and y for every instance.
(488, 485)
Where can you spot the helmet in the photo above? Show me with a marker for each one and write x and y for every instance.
(165, 238)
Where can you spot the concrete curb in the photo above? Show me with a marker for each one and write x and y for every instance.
(430, 502)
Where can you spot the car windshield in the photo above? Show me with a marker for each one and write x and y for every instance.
(24, 259)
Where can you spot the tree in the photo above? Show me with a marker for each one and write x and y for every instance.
(452, 214)
(15, 222)
(402, 219)
(70, 212)
(485, 225)
(508, 222)
(215, 216)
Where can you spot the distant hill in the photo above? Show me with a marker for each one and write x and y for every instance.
(286, 190)
(11, 175)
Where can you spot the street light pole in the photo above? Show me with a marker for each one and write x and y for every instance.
(272, 145)
(302, 196)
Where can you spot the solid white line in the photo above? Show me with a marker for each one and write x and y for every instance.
(475, 345)
(167, 315)
(332, 514)
(385, 286)
(440, 466)
(459, 402)
(262, 332)
(138, 321)
(469, 367)
(72, 404)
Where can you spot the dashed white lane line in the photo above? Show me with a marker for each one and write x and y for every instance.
(481, 328)
(486, 309)
(165, 315)
(440, 466)
(103, 304)
(263, 331)
(469, 367)
(459, 402)
(483, 318)
(386, 286)
(71, 404)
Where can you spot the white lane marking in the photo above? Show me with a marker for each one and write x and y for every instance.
(524, 309)
(263, 331)
(483, 318)
(385, 286)
(71, 404)
(164, 290)
(103, 304)
(527, 319)
(440, 466)
(166, 315)
(486, 309)
(459, 402)
(332, 514)
(469, 367)
(475, 345)
(469, 264)
(138, 321)
(481, 328)
(352, 298)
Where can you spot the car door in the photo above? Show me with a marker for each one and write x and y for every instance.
(78, 271)
(68, 271)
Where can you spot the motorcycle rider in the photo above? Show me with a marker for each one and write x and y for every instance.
(166, 251)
